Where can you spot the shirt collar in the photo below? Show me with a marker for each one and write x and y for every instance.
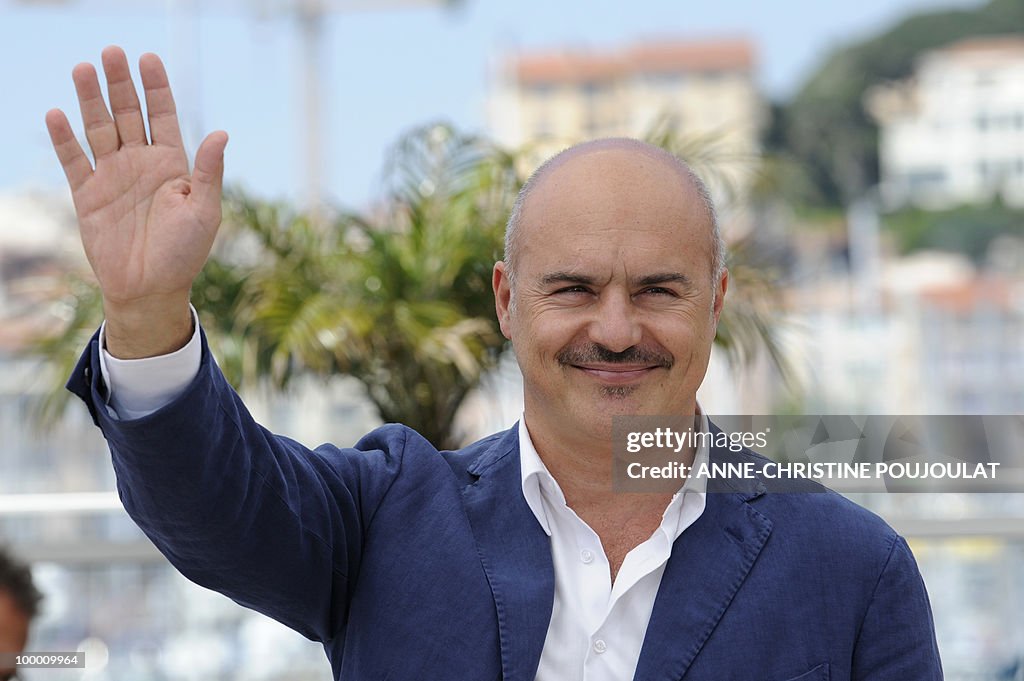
(535, 474)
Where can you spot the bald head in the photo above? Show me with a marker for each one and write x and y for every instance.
(611, 154)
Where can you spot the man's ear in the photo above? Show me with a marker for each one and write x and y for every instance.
(502, 286)
(721, 286)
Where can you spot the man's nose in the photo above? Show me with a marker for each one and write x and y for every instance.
(615, 324)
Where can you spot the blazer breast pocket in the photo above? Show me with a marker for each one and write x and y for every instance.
(819, 673)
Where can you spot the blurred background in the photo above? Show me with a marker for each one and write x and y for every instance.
(867, 159)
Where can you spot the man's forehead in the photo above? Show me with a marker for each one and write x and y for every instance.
(613, 186)
(632, 180)
(612, 203)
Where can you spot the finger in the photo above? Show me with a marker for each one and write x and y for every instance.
(74, 161)
(99, 126)
(208, 176)
(124, 102)
(163, 117)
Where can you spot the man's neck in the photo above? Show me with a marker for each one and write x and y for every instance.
(582, 467)
(577, 461)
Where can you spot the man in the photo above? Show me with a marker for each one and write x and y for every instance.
(512, 558)
(19, 604)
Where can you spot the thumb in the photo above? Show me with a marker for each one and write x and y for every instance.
(208, 175)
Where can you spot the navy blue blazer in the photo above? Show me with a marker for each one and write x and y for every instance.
(409, 563)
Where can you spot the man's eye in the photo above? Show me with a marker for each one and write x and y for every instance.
(659, 291)
(573, 289)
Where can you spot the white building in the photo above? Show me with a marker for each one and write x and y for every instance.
(944, 339)
(704, 91)
(954, 132)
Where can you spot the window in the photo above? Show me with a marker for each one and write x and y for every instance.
(926, 179)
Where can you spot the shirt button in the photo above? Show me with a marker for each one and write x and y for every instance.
(587, 556)
(600, 646)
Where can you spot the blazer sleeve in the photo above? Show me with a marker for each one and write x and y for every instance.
(275, 526)
(897, 636)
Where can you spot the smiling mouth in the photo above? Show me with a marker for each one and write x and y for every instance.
(617, 375)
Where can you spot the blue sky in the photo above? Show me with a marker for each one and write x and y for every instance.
(385, 71)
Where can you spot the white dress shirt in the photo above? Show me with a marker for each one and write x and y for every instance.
(138, 387)
(597, 628)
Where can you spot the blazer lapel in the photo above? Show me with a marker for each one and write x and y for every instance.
(516, 556)
(708, 564)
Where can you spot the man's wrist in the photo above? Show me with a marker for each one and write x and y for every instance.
(150, 327)
(139, 387)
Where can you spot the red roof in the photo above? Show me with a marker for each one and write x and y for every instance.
(968, 296)
(719, 55)
(658, 57)
(1007, 43)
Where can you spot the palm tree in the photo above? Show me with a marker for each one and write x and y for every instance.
(399, 299)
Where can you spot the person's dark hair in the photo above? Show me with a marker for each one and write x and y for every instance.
(16, 580)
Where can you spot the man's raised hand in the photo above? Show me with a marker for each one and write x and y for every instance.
(147, 223)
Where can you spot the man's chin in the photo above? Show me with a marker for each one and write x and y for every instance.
(618, 392)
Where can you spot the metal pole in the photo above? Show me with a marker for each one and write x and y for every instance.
(184, 60)
(865, 271)
(310, 17)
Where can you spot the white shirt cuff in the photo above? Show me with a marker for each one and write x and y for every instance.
(139, 387)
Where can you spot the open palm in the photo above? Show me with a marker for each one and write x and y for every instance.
(147, 224)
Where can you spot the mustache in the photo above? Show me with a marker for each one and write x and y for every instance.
(595, 353)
